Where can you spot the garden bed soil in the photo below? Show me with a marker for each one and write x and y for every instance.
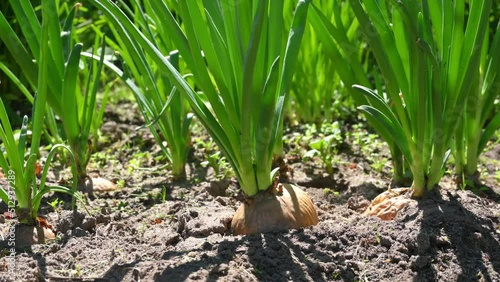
(152, 229)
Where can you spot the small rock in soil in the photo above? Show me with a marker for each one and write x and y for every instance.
(68, 220)
(222, 268)
(419, 261)
(207, 223)
(88, 223)
(443, 241)
(102, 219)
(423, 242)
(221, 200)
(358, 203)
(77, 232)
(385, 241)
(218, 188)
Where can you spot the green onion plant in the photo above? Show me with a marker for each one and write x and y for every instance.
(239, 60)
(166, 113)
(340, 33)
(19, 169)
(331, 59)
(74, 107)
(429, 53)
(242, 62)
(480, 119)
(314, 92)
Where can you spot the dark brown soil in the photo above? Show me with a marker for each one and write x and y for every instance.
(132, 234)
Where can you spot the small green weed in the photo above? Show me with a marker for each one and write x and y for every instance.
(328, 191)
(56, 204)
(326, 146)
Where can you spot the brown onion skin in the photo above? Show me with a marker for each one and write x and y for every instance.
(287, 207)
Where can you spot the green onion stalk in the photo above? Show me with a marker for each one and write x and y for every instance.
(75, 107)
(480, 120)
(315, 98)
(312, 96)
(340, 33)
(428, 53)
(242, 61)
(166, 113)
(19, 170)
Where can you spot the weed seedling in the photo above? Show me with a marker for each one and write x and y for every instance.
(221, 168)
(328, 191)
(120, 184)
(164, 194)
(56, 204)
(213, 161)
(324, 148)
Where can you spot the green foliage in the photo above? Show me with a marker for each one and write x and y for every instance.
(241, 61)
(315, 85)
(371, 147)
(75, 108)
(56, 204)
(328, 191)
(480, 120)
(221, 168)
(428, 54)
(340, 34)
(165, 111)
(338, 30)
(326, 146)
(21, 173)
(332, 58)
(12, 97)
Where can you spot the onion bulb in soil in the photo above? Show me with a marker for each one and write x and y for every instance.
(280, 208)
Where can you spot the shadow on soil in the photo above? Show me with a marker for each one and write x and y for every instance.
(181, 272)
(118, 272)
(447, 224)
(273, 257)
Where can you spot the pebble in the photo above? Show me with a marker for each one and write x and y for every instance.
(443, 241)
(221, 268)
(477, 236)
(403, 264)
(385, 242)
(419, 262)
(88, 223)
(206, 246)
(136, 273)
(221, 201)
(78, 232)
(101, 218)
